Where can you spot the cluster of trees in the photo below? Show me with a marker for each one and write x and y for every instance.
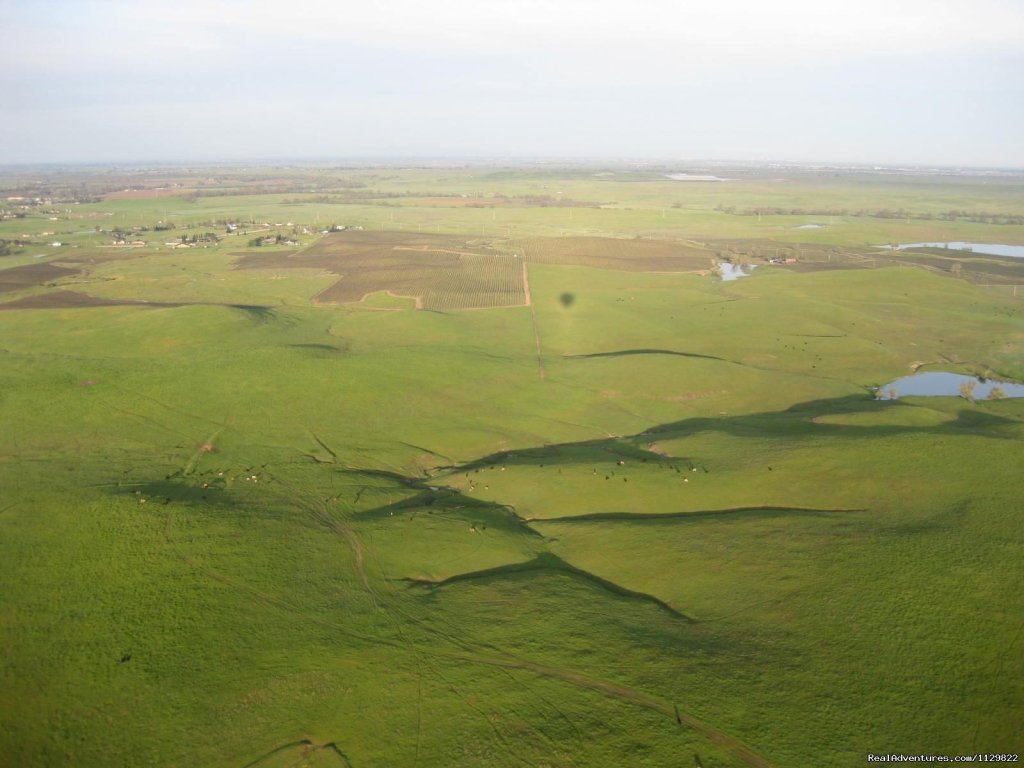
(51, 195)
(981, 217)
(137, 228)
(968, 387)
(256, 242)
(547, 201)
(346, 187)
(344, 197)
(122, 236)
(7, 247)
(205, 237)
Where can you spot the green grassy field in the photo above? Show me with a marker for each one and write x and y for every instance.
(342, 504)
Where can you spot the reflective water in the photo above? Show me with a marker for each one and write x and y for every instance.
(943, 384)
(735, 271)
(810, 226)
(693, 177)
(995, 249)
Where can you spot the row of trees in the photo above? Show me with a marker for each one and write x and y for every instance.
(256, 242)
(981, 217)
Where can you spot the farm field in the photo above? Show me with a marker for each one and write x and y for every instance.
(437, 271)
(306, 466)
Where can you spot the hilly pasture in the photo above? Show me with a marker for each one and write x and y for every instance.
(257, 510)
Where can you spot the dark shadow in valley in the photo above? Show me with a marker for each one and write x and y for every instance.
(629, 352)
(64, 299)
(549, 562)
(734, 513)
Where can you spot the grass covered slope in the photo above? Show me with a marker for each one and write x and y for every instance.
(652, 519)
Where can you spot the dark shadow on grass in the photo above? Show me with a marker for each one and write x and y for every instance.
(629, 352)
(677, 517)
(599, 451)
(450, 502)
(75, 300)
(308, 748)
(409, 482)
(795, 422)
(64, 299)
(257, 312)
(173, 491)
(547, 562)
(328, 349)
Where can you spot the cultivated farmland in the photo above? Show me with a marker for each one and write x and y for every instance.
(440, 272)
(618, 253)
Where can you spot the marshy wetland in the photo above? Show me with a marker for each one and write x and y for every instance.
(415, 470)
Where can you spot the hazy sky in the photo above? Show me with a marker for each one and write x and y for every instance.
(886, 81)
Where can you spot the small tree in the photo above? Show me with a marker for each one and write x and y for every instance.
(997, 393)
(967, 389)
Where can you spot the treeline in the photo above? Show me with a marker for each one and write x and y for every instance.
(344, 198)
(385, 198)
(343, 187)
(167, 226)
(547, 201)
(980, 217)
(52, 193)
(8, 247)
(257, 242)
(123, 236)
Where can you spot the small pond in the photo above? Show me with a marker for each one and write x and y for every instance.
(943, 384)
(735, 271)
(693, 177)
(994, 249)
(810, 226)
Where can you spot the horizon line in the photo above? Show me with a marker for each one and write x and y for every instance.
(391, 159)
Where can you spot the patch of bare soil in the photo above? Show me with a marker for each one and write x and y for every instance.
(30, 275)
(75, 300)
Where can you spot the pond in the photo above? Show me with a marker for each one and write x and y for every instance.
(693, 177)
(944, 384)
(735, 271)
(994, 249)
(810, 226)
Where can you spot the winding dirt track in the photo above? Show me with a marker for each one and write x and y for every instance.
(622, 693)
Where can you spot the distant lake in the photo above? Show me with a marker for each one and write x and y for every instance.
(692, 177)
(943, 384)
(735, 271)
(995, 249)
(810, 226)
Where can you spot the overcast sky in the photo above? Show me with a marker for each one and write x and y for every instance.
(873, 81)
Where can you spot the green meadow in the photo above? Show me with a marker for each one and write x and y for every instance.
(639, 517)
